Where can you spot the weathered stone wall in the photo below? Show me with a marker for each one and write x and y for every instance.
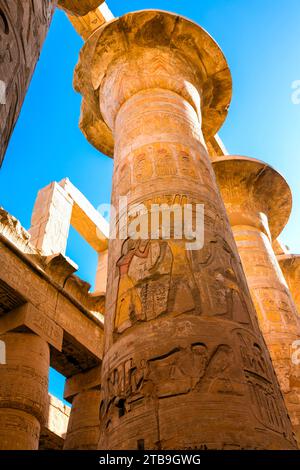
(23, 27)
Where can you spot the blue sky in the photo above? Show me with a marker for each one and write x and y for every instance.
(261, 41)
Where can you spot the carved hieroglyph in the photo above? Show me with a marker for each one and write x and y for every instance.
(183, 352)
(258, 203)
(23, 27)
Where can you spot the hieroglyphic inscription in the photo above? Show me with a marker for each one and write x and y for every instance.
(23, 27)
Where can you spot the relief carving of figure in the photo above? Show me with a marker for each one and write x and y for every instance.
(215, 269)
(184, 295)
(129, 306)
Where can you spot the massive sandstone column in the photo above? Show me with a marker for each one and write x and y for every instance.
(184, 364)
(83, 391)
(23, 390)
(258, 202)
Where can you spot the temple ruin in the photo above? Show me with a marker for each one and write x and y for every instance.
(170, 337)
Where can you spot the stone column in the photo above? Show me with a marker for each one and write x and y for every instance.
(258, 202)
(23, 391)
(27, 334)
(183, 352)
(83, 391)
(290, 265)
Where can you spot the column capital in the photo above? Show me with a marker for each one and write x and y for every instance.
(290, 263)
(254, 193)
(150, 49)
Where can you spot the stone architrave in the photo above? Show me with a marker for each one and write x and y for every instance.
(23, 391)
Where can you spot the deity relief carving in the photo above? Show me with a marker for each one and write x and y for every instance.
(154, 280)
(160, 277)
(215, 269)
(129, 305)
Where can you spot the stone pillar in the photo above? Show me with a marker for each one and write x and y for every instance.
(23, 391)
(23, 27)
(258, 202)
(83, 391)
(27, 334)
(290, 265)
(51, 219)
(182, 345)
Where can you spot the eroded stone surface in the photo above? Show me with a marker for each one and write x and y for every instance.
(290, 265)
(23, 27)
(182, 343)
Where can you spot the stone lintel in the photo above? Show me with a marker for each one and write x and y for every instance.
(87, 24)
(86, 220)
(82, 382)
(79, 7)
(216, 147)
(63, 298)
(28, 317)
